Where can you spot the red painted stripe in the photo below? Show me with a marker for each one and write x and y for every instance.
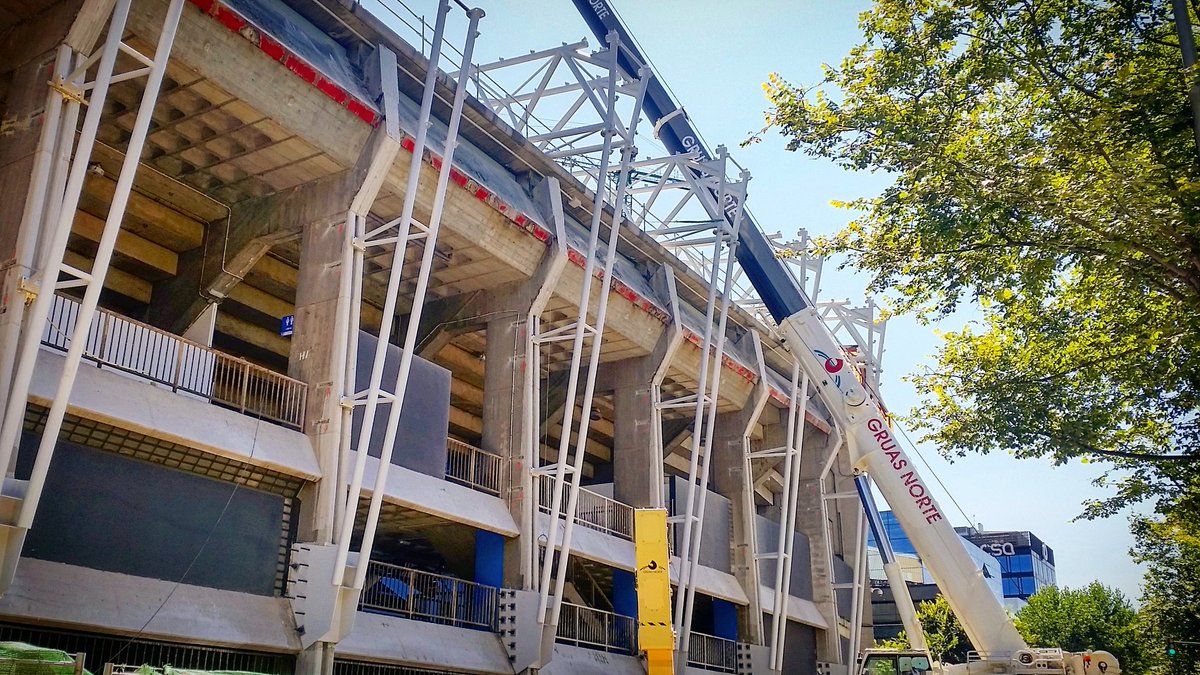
(278, 52)
(274, 49)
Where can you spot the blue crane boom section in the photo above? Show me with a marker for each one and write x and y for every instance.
(775, 285)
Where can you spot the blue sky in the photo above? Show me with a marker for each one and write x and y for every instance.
(714, 56)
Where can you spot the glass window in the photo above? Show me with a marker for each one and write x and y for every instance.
(913, 665)
(1022, 563)
(1011, 587)
(880, 665)
(1004, 563)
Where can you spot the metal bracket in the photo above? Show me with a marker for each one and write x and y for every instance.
(28, 288)
(67, 91)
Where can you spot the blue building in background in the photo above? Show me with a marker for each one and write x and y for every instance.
(1026, 562)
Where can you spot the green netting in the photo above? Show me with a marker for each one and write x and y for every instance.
(18, 658)
(173, 670)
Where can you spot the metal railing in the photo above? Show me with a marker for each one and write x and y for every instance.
(594, 510)
(120, 343)
(712, 653)
(424, 596)
(597, 629)
(474, 467)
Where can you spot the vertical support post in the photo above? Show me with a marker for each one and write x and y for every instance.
(374, 388)
(791, 502)
(549, 613)
(698, 467)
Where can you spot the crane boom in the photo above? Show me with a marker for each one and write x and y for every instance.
(872, 447)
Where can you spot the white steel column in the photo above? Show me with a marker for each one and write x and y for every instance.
(570, 457)
(789, 503)
(382, 236)
(707, 398)
(62, 204)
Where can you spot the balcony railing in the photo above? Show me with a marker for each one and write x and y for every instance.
(433, 598)
(593, 510)
(597, 629)
(473, 467)
(712, 653)
(120, 343)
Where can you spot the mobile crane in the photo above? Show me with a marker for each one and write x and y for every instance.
(872, 447)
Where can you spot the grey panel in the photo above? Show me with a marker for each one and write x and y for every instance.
(767, 532)
(800, 649)
(421, 436)
(107, 512)
(718, 523)
(842, 574)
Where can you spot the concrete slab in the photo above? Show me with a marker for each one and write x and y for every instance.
(381, 638)
(569, 660)
(66, 595)
(139, 405)
(799, 609)
(441, 498)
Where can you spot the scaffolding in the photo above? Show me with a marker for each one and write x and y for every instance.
(82, 75)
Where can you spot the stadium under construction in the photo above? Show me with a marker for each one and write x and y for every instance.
(328, 348)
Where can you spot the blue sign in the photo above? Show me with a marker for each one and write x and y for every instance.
(287, 325)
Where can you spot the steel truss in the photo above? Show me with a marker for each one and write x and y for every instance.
(396, 234)
(82, 76)
(567, 122)
(567, 469)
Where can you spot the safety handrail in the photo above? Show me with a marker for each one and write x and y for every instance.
(429, 597)
(474, 467)
(124, 344)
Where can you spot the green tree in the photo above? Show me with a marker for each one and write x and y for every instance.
(944, 635)
(1170, 548)
(1094, 617)
(1045, 169)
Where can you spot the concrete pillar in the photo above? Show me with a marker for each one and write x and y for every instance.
(633, 445)
(311, 361)
(810, 520)
(506, 376)
(729, 480)
(504, 417)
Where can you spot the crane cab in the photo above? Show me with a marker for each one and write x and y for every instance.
(895, 662)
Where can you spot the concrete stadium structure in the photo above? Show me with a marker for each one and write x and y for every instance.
(205, 243)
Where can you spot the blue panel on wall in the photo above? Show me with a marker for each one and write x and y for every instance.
(489, 558)
(725, 621)
(624, 597)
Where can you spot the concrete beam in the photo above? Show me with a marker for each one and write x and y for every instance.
(143, 216)
(117, 280)
(234, 248)
(139, 250)
(253, 334)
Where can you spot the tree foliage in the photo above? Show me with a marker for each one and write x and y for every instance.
(1170, 610)
(944, 635)
(1094, 617)
(1045, 169)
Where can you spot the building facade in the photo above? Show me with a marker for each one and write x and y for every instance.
(1026, 562)
(317, 362)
